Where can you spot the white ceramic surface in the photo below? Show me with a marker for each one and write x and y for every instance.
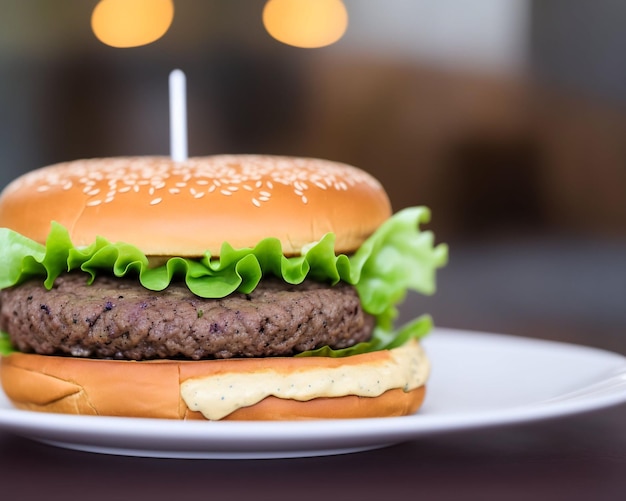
(478, 380)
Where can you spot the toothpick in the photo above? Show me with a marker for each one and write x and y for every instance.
(178, 116)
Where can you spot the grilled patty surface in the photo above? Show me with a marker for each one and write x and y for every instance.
(117, 318)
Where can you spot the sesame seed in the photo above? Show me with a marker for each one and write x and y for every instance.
(156, 201)
(256, 174)
(93, 203)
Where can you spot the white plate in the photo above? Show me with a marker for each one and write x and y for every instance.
(478, 380)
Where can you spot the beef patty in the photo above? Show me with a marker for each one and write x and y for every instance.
(117, 318)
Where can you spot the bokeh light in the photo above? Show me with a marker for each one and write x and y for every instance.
(306, 23)
(131, 23)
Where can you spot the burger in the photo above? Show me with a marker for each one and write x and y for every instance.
(224, 287)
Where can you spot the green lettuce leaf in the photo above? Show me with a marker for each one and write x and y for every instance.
(5, 344)
(396, 258)
(381, 340)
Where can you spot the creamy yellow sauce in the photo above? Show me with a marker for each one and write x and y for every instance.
(219, 395)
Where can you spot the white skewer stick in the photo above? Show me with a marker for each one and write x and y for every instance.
(178, 116)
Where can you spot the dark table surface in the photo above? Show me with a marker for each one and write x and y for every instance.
(581, 457)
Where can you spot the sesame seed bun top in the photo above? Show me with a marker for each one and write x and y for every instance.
(168, 208)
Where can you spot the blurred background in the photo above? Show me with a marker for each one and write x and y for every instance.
(506, 118)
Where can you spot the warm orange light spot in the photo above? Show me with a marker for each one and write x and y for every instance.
(306, 23)
(130, 23)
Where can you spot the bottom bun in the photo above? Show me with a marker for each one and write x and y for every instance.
(153, 388)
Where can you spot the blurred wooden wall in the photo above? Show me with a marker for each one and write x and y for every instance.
(489, 154)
